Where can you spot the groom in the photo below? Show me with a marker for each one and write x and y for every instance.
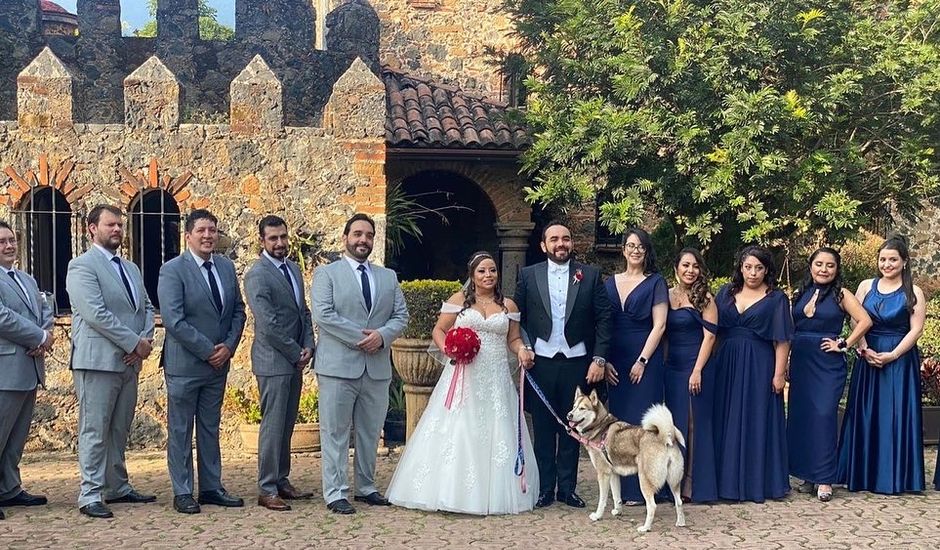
(359, 310)
(566, 321)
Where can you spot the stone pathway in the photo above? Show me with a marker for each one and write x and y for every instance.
(850, 521)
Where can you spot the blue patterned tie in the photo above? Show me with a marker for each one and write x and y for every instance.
(366, 289)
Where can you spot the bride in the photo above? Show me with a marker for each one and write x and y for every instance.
(462, 459)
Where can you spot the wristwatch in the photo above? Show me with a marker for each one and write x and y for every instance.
(527, 347)
(842, 343)
(600, 361)
(642, 360)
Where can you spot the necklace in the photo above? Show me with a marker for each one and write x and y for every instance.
(485, 303)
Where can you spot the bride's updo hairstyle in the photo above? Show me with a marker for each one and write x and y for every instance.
(470, 288)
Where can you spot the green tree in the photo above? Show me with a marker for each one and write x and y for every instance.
(768, 121)
(209, 26)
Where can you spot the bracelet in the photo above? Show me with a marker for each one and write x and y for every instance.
(642, 360)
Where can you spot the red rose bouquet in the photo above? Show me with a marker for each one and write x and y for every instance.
(461, 344)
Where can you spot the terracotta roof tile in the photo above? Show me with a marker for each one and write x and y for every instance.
(423, 114)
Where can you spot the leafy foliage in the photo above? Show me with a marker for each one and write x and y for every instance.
(246, 404)
(209, 26)
(424, 298)
(779, 120)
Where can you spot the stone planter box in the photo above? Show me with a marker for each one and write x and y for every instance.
(419, 372)
(931, 425)
(306, 438)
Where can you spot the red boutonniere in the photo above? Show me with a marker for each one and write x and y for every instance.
(578, 275)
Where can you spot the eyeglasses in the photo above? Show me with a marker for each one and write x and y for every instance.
(630, 247)
(4, 242)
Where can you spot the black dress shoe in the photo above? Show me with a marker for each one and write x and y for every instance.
(545, 498)
(571, 499)
(374, 499)
(220, 498)
(133, 498)
(96, 510)
(186, 504)
(24, 499)
(341, 506)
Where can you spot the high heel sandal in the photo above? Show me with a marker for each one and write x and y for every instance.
(824, 496)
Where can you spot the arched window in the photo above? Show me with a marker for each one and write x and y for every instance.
(46, 224)
(155, 235)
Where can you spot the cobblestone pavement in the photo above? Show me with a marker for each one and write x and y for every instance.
(850, 521)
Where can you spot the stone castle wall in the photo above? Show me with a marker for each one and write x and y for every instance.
(249, 166)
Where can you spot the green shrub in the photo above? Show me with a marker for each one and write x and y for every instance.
(308, 412)
(246, 404)
(929, 342)
(424, 298)
(860, 260)
(716, 283)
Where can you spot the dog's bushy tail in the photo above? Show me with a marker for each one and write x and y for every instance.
(658, 419)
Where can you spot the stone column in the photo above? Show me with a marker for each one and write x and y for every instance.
(177, 34)
(285, 26)
(20, 40)
(354, 28)
(44, 94)
(151, 98)
(513, 245)
(256, 100)
(100, 53)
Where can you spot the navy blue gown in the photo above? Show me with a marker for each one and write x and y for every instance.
(817, 380)
(750, 430)
(692, 414)
(881, 449)
(632, 324)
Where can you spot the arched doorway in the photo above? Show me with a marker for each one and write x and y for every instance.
(455, 218)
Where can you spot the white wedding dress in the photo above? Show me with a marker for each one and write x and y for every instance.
(462, 459)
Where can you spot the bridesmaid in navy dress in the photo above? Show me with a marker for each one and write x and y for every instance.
(689, 387)
(882, 449)
(640, 302)
(818, 370)
(754, 333)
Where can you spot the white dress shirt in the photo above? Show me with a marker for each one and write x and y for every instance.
(354, 263)
(205, 274)
(558, 297)
(277, 264)
(117, 269)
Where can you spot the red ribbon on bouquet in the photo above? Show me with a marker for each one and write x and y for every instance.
(461, 344)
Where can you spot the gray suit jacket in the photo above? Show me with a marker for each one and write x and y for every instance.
(193, 325)
(23, 327)
(340, 313)
(282, 328)
(105, 324)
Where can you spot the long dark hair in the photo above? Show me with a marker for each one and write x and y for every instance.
(649, 260)
(469, 291)
(899, 243)
(764, 257)
(834, 287)
(698, 293)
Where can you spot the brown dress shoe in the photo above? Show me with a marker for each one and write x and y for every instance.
(273, 502)
(289, 492)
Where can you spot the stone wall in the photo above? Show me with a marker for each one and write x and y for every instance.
(315, 177)
(445, 40)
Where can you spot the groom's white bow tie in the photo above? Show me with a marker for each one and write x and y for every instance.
(556, 269)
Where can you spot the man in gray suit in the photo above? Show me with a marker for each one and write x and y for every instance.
(282, 348)
(359, 309)
(202, 309)
(25, 338)
(112, 333)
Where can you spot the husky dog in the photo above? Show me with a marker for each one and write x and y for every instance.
(620, 449)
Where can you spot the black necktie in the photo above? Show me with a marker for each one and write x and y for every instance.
(127, 284)
(290, 282)
(366, 289)
(16, 282)
(213, 287)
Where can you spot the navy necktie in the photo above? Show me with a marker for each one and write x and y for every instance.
(127, 283)
(366, 289)
(213, 286)
(290, 282)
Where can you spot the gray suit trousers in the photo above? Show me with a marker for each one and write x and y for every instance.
(194, 400)
(280, 397)
(106, 403)
(362, 402)
(16, 413)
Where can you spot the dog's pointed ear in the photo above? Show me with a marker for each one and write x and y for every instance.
(577, 393)
(594, 398)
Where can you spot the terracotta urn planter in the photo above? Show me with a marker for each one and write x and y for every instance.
(306, 437)
(419, 372)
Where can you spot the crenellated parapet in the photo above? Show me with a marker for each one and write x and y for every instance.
(44, 99)
(256, 100)
(151, 98)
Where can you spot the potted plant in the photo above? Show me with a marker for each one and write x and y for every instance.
(416, 368)
(929, 345)
(246, 405)
(395, 418)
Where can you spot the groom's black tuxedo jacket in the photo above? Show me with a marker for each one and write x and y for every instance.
(588, 311)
